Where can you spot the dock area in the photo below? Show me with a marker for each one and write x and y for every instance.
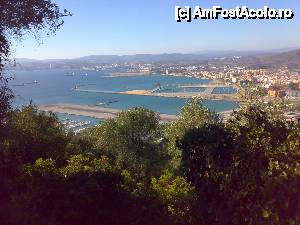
(128, 74)
(93, 111)
(204, 94)
(213, 85)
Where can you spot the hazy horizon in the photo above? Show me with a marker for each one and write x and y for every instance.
(203, 52)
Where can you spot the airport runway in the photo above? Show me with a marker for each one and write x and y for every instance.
(105, 113)
(93, 111)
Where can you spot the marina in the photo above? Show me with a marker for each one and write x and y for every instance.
(75, 125)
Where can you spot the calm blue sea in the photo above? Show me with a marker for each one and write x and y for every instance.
(55, 86)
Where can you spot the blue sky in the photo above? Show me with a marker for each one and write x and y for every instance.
(139, 26)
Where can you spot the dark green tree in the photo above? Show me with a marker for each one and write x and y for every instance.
(177, 195)
(206, 162)
(18, 17)
(84, 192)
(246, 171)
(266, 156)
(192, 115)
(134, 140)
(29, 136)
(32, 135)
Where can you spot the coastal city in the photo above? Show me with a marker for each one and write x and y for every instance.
(277, 82)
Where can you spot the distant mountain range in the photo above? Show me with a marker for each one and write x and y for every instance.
(138, 58)
(289, 59)
(257, 59)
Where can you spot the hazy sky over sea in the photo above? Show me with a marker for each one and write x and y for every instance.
(134, 26)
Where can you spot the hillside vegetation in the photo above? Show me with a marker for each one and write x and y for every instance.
(133, 170)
